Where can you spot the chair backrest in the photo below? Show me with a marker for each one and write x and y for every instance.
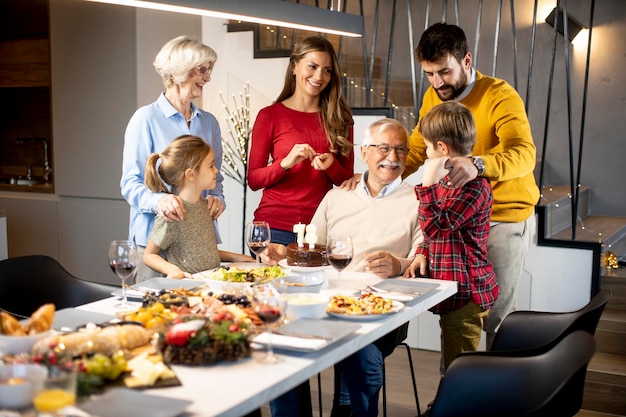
(513, 384)
(531, 329)
(27, 282)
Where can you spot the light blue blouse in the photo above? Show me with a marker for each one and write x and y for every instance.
(150, 130)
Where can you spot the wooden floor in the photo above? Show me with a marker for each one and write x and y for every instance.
(400, 400)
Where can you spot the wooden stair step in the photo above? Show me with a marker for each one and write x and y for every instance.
(607, 368)
(605, 229)
(605, 385)
(614, 280)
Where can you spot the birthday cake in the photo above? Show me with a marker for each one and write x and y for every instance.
(310, 254)
(305, 256)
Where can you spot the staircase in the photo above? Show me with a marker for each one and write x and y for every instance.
(605, 388)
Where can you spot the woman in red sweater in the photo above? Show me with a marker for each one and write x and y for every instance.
(302, 144)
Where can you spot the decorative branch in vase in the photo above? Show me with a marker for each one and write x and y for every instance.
(235, 147)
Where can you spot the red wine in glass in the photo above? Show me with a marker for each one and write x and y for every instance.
(258, 247)
(339, 252)
(122, 270)
(268, 314)
(258, 238)
(269, 306)
(339, 262)
(123, 261)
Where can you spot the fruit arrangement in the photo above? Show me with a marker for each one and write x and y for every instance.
(200, 340)
(152, 316)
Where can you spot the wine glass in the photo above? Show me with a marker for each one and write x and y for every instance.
(123, 261)
(258, 238)
(339, 251)
(269, 306)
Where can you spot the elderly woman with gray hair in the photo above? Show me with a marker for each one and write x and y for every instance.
(184, 65)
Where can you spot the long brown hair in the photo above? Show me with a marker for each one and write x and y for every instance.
(183, 153)
(336, 116)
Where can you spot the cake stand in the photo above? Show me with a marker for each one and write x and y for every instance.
(313, 271)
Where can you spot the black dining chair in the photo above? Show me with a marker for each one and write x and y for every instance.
(524, 330)
(27, 282)
(400, 342)
(533, 329)
(522, 383)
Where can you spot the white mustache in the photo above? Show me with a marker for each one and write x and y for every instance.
(388, 165)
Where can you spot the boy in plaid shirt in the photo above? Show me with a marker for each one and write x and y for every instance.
(455, 223)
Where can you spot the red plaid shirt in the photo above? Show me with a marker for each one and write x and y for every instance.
(455, 223)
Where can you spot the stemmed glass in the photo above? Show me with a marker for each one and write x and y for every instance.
(339, 250)
(269, 306)
(258, 238)
(123, 261)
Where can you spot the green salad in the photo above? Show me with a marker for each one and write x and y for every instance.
(254, 275)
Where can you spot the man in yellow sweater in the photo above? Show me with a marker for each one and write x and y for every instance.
(504, 153)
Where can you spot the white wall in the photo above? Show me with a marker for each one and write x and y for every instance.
(234, 68)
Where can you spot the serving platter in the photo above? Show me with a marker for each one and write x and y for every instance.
(396, 306)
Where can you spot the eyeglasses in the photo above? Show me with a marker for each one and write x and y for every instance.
(204, 70)
(385, 149)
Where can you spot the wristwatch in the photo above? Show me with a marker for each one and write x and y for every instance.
(479, 164)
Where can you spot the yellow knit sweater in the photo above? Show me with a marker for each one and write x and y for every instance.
(503, 140)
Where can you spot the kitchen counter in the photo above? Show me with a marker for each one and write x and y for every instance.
(35, 188)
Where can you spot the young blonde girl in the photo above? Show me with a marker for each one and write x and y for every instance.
(179, 249)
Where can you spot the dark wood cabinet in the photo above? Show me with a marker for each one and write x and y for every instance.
(25, 91)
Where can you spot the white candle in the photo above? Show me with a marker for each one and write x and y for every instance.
(311, 236)
(299, 230)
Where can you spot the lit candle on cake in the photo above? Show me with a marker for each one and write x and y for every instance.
(311, 236)
(299, 230)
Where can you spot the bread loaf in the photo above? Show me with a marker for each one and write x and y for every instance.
(106, 340)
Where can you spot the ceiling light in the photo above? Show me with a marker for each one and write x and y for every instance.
(270, 12)
(573, 26)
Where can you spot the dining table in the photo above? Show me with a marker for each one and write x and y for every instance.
(234, 389)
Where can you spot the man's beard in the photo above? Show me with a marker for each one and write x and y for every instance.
(456, 89)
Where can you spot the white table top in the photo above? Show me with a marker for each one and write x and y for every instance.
(236, 388)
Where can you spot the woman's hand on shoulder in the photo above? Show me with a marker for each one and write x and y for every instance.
(170, 208)
(322, 161)
(215, 205)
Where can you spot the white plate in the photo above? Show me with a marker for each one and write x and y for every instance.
(226, 286)
(136, 292)
(397, 306)
(73, 318)
(125, 402)
(283, 263)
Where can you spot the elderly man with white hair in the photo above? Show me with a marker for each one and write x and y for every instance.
(381, 217)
